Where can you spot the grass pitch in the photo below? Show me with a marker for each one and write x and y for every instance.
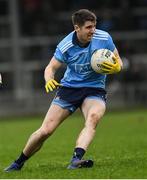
(119, 149)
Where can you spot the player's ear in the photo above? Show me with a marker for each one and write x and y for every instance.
(76, 27)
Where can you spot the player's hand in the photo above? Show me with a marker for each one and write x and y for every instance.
(0, 79)
(51, 85)
(111, 68)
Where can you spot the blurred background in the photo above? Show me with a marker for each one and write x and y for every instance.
(30, 31)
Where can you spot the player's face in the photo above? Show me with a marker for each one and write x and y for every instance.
(85, 32)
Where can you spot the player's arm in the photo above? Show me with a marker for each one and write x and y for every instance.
(111, 68)
(49, 74)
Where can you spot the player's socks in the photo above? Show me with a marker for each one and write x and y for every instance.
(78, 153)
(22, 158)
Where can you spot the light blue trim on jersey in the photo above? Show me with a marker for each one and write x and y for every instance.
(99, 35)
(101, 32)
(79, 72)
(101, 38)
(66, 43)
(66, 46)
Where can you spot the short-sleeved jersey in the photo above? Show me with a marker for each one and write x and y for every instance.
(79, 72)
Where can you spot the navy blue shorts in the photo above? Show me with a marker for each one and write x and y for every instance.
(72, 98)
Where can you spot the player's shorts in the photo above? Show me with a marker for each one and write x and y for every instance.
(72, 98)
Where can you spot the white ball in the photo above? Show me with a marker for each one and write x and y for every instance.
(99, 56)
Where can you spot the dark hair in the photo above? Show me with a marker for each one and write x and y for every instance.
(81, 16)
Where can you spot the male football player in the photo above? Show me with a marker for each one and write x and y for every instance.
(86, 86)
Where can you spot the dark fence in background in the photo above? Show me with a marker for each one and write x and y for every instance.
(30, 31)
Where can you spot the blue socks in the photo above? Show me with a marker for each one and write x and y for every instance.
(22, 158)
(78, 153)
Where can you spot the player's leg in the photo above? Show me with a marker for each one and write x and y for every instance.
(53, 118)
(93, 109)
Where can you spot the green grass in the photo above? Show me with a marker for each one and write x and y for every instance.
(119, 148)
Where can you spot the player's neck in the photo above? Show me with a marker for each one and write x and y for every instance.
(78, 42)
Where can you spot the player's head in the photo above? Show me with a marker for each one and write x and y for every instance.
(84, 22)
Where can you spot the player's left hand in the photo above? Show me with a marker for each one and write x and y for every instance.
(51, 85)
(111, 68)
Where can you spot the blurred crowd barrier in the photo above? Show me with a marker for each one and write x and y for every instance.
(30, 31)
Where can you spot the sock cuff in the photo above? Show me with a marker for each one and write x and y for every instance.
(79, 152)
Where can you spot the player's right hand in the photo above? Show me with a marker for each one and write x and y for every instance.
(51, 85)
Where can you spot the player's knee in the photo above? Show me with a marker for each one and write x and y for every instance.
(93, 120)
(45, 133)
